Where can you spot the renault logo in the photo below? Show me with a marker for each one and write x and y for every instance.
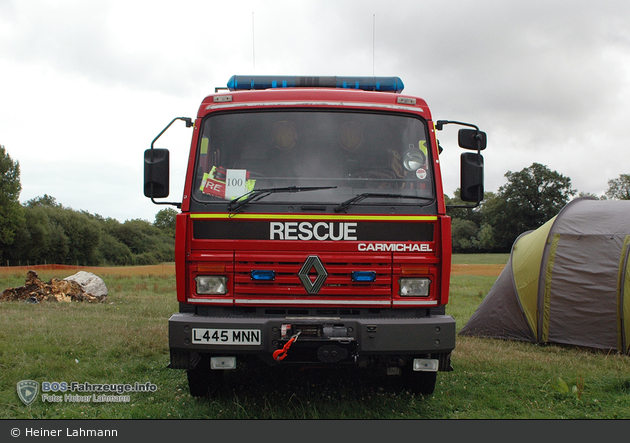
(313, 286)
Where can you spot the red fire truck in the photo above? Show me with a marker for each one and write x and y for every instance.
(313, 229)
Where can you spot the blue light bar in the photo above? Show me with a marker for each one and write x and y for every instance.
(363, 276)
(261, 275)
(249, 82)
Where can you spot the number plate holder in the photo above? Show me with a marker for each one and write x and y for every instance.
(248, 337)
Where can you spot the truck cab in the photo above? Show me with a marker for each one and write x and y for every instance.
(313, 229)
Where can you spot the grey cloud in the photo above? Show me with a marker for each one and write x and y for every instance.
(81, 40)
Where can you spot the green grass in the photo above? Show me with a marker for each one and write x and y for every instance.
(480, 259)
(124, 340)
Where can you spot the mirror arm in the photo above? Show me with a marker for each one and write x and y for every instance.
(189, 123)
(440, 124)
(462, 206)
(178, 205)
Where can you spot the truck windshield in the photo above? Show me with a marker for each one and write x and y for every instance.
(341, 154)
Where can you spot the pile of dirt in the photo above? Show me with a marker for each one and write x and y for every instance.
(35, 291)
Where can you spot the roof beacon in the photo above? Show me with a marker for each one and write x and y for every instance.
(249, 82)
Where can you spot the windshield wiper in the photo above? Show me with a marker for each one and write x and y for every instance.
(357, 198)
(259, 194)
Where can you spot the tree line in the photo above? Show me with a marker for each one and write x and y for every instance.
(52, 233)
(44, 231)
(530, 198)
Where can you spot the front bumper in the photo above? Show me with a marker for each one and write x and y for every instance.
(191, 334)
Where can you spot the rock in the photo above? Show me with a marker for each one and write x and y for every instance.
(91, 284)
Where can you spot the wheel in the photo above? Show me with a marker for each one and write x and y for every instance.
(418, 382)
(203, 381)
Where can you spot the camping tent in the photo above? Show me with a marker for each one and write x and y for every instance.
(567, 282)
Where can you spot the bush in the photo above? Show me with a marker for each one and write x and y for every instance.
(52, 233)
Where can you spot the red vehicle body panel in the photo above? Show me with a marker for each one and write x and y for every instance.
(434, 261)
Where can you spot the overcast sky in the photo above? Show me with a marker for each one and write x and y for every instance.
(85, 86)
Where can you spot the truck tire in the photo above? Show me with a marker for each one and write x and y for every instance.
(418, 382)
(203, 381)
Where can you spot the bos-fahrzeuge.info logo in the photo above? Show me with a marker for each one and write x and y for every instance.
(74, 392)
(27, 391)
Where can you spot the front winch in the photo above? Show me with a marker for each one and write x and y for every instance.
(326, 341)
(326, 331)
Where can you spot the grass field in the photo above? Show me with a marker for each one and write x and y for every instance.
(124, 340)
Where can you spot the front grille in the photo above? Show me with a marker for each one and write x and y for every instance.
(286, 266)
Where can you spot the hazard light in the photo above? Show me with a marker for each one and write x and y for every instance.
(249, 82)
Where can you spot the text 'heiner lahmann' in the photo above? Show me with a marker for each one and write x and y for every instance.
(31, 432)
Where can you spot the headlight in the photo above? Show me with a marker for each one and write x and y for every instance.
(414, 287)
(211, 284)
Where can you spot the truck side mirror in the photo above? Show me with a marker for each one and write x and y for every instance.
(156, 173)
(471, 187)
(472, 139)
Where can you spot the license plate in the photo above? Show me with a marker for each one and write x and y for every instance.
(226, 336)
